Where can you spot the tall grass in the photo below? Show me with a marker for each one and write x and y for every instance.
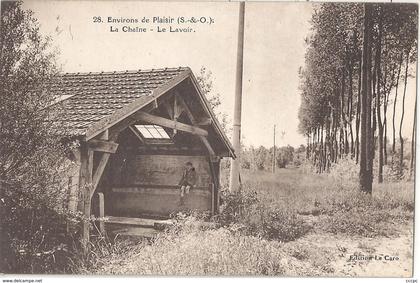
(257, 230)
(336, 196)
(192, 250)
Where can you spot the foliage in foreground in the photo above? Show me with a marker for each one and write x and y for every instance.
(194, 249)
(241, 242)
(32, 217)
(253, 217)
(332, 203)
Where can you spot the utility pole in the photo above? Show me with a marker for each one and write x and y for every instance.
(234, 184)
(274, 150)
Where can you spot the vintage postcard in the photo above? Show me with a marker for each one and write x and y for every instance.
(208, 138)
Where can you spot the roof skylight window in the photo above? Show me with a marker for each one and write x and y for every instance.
(153, 132)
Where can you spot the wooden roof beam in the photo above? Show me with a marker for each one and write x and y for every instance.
(185, 108)
(204, 140)
(103, 136)
(169, 109)
(204, 122)
(163, 122)
(208, 146)
(102, 146)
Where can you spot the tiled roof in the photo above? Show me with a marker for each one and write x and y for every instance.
(89, 98)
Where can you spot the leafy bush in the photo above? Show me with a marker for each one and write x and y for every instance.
(346, 170)
(283, 225)
(366, 224)
(234, 206)
(243, 211)
(34, 236)
(393, 171)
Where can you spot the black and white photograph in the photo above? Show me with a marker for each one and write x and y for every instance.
(217, 139)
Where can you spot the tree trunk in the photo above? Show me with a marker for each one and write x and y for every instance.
(413, 140)
(378, 103)
(395, 105)
(372, 118)
(387, 93)
(365, 182)
(350, 109)
(308, 146)
(321, 150)
(401, 163)
(342, 120)
(358, 110)
(327, 144)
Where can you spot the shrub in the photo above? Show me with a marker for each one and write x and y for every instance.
(284, 225)
(346, 170)
(34, 238)
(244, 212)
(234, 206)
(367, 224)
(393, 171)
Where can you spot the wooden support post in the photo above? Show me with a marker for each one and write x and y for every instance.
(176, 114)
(177, 109)
(101, 212)
(215, 185)
(99, 170)
(213, 207)
(85, 183)
(217, 169)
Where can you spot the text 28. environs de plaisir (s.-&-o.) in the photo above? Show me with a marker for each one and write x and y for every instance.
(153, 24)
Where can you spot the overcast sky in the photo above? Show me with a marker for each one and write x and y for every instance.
(274, 51)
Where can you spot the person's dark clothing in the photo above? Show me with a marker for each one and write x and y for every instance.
(189, 177)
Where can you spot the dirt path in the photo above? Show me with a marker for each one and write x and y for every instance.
(393, 255)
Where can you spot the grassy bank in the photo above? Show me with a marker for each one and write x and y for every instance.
(272, 228)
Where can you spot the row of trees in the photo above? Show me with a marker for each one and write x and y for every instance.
(261, 158)
(358, 58)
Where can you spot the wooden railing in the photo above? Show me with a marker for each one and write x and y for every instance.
(162, 189)
(140, 188)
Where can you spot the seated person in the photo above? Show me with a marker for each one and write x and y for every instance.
(189, 178)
